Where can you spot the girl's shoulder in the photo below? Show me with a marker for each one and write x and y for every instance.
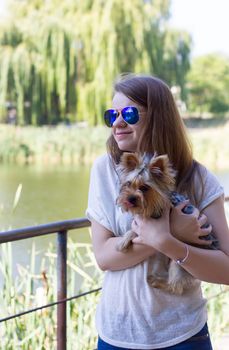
(105, 170)
(211, 187)
(101, 160)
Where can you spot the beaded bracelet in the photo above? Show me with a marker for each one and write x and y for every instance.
(182, 261)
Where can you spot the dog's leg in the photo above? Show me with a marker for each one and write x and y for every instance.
(179, 280)
(126, 241)
(158, 271)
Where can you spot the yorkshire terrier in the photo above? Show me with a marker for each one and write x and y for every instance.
(146, 188)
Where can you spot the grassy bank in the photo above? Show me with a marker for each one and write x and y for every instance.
(211, 146)
(74, 145)
(56, 145)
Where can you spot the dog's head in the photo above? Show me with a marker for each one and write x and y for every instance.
(145, 186)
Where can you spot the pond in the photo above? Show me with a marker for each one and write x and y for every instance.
(48, 194)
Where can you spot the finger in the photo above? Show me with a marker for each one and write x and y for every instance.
(202, 219)
(195, 213)
(205, 231)
(182, 204)
(137, 240)
(204, 242)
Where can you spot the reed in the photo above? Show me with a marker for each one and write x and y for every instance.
(30, 289)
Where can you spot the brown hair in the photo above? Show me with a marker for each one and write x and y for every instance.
(164, 131)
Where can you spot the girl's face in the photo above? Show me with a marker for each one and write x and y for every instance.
(127, 135)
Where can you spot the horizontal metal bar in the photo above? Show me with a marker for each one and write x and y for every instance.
(49, 305)
(41, 230)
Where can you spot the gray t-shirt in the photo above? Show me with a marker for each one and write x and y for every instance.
(131, 314)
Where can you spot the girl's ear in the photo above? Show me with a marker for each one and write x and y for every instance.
(129, 161)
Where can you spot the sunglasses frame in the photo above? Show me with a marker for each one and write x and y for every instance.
(110, 115)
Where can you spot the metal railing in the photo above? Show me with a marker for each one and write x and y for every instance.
(60, 229)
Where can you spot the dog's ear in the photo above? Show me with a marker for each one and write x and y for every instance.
(130, 161)
(160, 167)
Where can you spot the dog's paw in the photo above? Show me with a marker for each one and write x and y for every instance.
(157, 282)
(123, 245)
(177, 288)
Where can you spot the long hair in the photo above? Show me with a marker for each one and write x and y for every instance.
(163, 132)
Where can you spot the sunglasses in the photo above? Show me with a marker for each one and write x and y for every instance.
(129, 114)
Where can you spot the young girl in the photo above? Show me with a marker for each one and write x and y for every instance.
(132, 314)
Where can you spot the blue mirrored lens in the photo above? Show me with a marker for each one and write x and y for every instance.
(110, 116)
(130, 115)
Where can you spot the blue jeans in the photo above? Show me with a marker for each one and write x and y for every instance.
(200, 341)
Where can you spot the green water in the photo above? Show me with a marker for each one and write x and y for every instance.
(48, 194)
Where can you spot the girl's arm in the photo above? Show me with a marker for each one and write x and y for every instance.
(104, 242)
(206, 265)
(108, 258)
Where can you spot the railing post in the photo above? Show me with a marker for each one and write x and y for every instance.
(61, 290)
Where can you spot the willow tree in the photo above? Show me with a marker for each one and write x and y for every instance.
(59, 59)
(37, 65)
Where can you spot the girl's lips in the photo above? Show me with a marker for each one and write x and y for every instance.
(121, 133)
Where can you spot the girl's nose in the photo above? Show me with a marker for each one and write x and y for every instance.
(119, 121)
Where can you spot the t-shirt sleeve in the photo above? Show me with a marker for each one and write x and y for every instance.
(96, 197)
(212, 189)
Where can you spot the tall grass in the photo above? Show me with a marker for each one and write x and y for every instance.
(74, 145)
(37, 330)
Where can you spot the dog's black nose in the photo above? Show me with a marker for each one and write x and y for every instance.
(132, 199)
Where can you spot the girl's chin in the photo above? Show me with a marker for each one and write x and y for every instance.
(126, 148)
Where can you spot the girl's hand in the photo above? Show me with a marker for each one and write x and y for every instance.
(187, 227)
(152, 232)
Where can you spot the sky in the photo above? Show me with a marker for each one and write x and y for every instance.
(206, 20)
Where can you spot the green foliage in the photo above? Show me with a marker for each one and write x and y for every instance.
(58, 59)
(208, 83)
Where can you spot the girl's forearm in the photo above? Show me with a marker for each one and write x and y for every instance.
(109, 258)
(204, 264)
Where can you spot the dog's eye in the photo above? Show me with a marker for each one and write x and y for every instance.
(143, 188)
(128, 183)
